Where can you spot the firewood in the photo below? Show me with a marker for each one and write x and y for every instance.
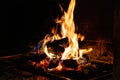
(57, 46)
(62, 42)
(70, 63)
(53, 63)
(56, 50)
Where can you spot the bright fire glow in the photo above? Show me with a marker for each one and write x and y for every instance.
(67, 30)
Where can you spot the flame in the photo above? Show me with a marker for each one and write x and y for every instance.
(67, 30)
(84, 51)
(59, 67)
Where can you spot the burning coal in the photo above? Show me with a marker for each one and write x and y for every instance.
(63, 46)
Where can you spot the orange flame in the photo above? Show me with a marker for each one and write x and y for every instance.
(67, 30)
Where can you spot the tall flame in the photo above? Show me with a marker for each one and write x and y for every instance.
(67, 30)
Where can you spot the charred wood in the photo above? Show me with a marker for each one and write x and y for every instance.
(62, 42)
(70, 63)
(54, 63)
(57, 46)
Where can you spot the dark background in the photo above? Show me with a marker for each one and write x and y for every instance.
(28, 21)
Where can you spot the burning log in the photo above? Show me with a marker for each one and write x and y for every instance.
(70, 63)
(53, 63)
(62, 42)
(58, 46)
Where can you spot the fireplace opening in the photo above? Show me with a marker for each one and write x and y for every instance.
(77, 43)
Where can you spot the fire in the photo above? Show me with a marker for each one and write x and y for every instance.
(71, 48)
(59, 67)
(67, 30)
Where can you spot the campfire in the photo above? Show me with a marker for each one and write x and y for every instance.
(63, 48)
